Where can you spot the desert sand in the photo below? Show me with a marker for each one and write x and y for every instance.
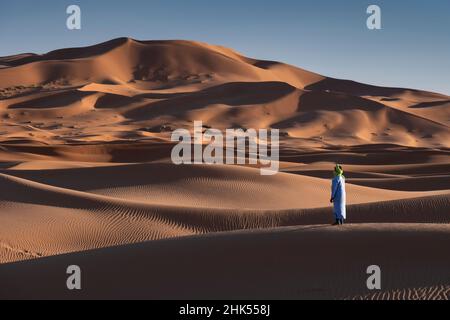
(86, 178)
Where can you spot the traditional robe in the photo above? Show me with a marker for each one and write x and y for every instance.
(339, 197)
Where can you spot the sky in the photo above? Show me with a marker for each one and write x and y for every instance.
(330, 37)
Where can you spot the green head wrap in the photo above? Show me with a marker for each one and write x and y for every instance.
(338, 171)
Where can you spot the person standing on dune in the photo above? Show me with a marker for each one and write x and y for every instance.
(338, 196)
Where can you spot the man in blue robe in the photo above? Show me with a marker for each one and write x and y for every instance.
(338, 196)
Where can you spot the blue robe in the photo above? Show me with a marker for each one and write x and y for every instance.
(339, 196)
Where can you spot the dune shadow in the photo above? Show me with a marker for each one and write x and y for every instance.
(354, 88)
(425, 105)
(233, 94)
(56, 100)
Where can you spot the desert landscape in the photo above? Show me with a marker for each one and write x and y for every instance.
(86, 179)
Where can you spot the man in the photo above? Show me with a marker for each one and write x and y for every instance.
(338, 195)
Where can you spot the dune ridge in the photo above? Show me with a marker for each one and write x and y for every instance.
(124, 85)
(85, 217)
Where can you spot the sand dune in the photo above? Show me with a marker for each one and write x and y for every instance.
(135, 203)
(202, 186)
(124, 85)
(125, 60)
(291, 263)
(86, 178)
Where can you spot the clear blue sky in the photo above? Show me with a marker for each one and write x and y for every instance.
(326, 36)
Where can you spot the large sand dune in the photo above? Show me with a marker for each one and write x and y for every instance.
(290, 263)
(86, 178)
(125, 85)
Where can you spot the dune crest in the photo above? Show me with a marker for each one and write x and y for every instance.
(129, 84)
